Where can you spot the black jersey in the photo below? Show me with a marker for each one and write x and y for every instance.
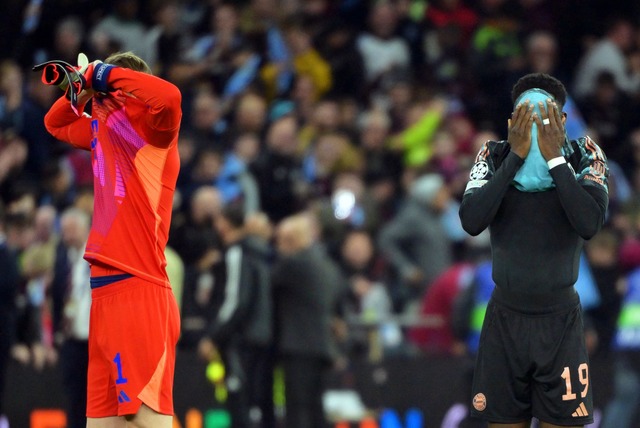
(536, 237)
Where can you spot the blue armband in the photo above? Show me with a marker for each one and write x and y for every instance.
(100, 77)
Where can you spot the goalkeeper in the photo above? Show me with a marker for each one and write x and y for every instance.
(132, 134)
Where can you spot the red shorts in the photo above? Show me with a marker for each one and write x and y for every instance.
(133, 331)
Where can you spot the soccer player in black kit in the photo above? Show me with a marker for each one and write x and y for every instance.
(541, 196)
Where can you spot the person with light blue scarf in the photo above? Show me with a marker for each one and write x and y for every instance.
(541, 195)
(533, 175)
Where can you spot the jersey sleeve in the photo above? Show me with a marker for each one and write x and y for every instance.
(63, 123)
(593, 168)
(483, 169)
(488, 183)
(163, 100)
(584, 195)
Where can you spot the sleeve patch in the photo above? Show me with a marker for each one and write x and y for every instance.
(474, 184)
(479, 171)
(598, 169)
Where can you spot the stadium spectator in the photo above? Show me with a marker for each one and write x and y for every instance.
(68, 41)
(368, 304)
(330, 155)
(166, 37)
(209, 58)
(382, 166)
(124, 30)
(348, 207)
(9, 283)
(278, 170)
(415, 241)
(623, 405)
(22, 122)
(496, 55)
(249, 116)
(541, 53)
(437, 305)
(610, 112)
(304, 61)
(420, 122)
(71, 307)
(13, 155)
(338, 46)
(324, 119)
(37, 268)
(382, 51)
(608, 55)
(207, 120)
(456, 13)
(602, 255)
(200, 247)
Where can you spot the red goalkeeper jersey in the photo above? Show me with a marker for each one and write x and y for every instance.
(132, 134)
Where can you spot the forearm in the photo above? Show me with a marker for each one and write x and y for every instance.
(162, 97)
(62, 122)
(480, 205)
(585, 207)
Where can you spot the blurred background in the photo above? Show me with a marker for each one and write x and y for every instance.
(343, 126)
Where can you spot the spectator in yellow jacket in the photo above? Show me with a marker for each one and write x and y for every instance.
(304, 59)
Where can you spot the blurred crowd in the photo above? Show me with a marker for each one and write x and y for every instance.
(344, 131)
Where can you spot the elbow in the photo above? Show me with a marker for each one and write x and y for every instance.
(168, 98)
(166, 110)
(173, 95)
(472, 229)
(470, 225)
(48, 124)
(589, 231)
(588, 234)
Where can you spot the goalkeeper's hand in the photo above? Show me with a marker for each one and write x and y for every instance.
(95, 74)
(73, 79)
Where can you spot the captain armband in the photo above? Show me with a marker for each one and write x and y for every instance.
(100, 77)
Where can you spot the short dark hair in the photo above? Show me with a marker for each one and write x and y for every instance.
(542, 81)
(234, 214)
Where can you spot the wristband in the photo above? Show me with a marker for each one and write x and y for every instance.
(100, 77)
(556, 161)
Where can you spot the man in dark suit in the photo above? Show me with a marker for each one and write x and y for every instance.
(307, 286)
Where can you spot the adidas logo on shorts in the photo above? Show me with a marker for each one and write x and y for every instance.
(580, 411)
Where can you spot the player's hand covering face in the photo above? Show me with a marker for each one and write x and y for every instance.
(551, 134)
(520, 129)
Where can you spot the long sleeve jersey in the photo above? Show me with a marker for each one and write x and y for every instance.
(132, 134)
(536, 237)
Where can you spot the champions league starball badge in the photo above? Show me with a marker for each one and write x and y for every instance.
(479, 171)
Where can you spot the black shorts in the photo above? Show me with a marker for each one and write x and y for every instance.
(533, 364)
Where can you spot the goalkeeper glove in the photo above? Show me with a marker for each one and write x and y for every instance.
(96, 73)
(66, 77)
(73, 79)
